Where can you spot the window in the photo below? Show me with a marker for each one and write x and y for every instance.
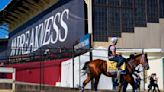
(152, 11)
(100, 24)
(140, 13)
(113, 22)
(127, 15)
(161, 7)
(127, 20)
(111, 17)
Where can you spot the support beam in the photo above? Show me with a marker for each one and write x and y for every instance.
(12, 16)
(90, 26)
(7, 21)
(26, 8)
(15, 14)
(31, 6)
(9, 18)
(22, 11)
(34, 4)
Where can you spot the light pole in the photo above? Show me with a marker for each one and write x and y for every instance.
(90, 29)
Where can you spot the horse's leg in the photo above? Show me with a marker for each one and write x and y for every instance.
(133, 86)
(157, 88)
(150, 88)
(120, 87)
(154, 90)
(89, 77)
(125, 84)
(96, 82)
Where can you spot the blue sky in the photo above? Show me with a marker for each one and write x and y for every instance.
(3, 32)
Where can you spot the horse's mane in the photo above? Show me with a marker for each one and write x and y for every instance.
(132, 56)
(137, 55)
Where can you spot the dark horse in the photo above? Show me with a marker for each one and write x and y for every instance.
(97, 67)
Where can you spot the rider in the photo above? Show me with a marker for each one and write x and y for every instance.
(153, 82)
(136, 76)
(113, 56)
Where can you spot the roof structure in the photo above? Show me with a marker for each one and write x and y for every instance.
(18, 12)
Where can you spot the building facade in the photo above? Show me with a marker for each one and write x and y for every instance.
(138, 23)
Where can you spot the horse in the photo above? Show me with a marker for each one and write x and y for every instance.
(97, 67)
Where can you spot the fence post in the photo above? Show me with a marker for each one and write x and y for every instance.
(13, 77)
(73, 66)
(91, 58)
(11, 81)
(79, 73)
(163, 70)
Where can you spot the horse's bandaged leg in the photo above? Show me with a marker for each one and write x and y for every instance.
(118, 75)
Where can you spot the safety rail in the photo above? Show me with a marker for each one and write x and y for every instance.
(10, 81)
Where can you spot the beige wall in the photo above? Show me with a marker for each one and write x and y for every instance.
(151, 36)
(162, 32)
(156, 66)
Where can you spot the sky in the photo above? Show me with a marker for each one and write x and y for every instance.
(3, 29)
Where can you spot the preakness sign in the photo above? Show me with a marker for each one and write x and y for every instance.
(59, 28)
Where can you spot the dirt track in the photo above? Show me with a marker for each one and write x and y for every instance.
(37, 88)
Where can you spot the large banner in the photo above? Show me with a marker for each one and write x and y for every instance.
(60, 28)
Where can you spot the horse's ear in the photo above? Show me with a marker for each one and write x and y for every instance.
(145, 54)
(131, 56)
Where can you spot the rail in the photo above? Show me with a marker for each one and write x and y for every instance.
(10, 81)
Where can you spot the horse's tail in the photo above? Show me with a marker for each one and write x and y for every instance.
(85, 65)
(86, 68)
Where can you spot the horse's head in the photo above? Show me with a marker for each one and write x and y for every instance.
(144, 61)
(141, 59)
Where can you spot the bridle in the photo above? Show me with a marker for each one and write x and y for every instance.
(143, 61)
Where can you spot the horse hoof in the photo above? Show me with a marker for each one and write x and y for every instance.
(82, 89)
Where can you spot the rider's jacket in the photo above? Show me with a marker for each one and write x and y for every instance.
(110, 55)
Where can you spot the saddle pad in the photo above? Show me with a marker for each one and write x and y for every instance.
(111, 66)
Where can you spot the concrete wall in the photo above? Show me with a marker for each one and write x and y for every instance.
(105, 82)
(66, 72)
(162, 32)
(156, 66)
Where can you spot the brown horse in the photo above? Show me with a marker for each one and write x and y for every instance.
(97, 67)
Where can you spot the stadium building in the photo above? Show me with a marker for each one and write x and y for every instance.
(47, 30)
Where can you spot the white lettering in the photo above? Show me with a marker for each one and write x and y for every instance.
(18, 45)
(22, 43)
(47, 30)
(36, 46)
(56, 28)
(64, 25)
(27, 42)
(31, 44)
(13, 45)
(52, 30)
(41, 36)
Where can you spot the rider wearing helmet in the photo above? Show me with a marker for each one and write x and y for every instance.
(113, 56)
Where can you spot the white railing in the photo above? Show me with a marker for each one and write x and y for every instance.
(12, 81)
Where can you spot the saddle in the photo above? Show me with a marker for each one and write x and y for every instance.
(111, 66)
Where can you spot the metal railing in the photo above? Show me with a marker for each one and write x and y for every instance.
(9, 81)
